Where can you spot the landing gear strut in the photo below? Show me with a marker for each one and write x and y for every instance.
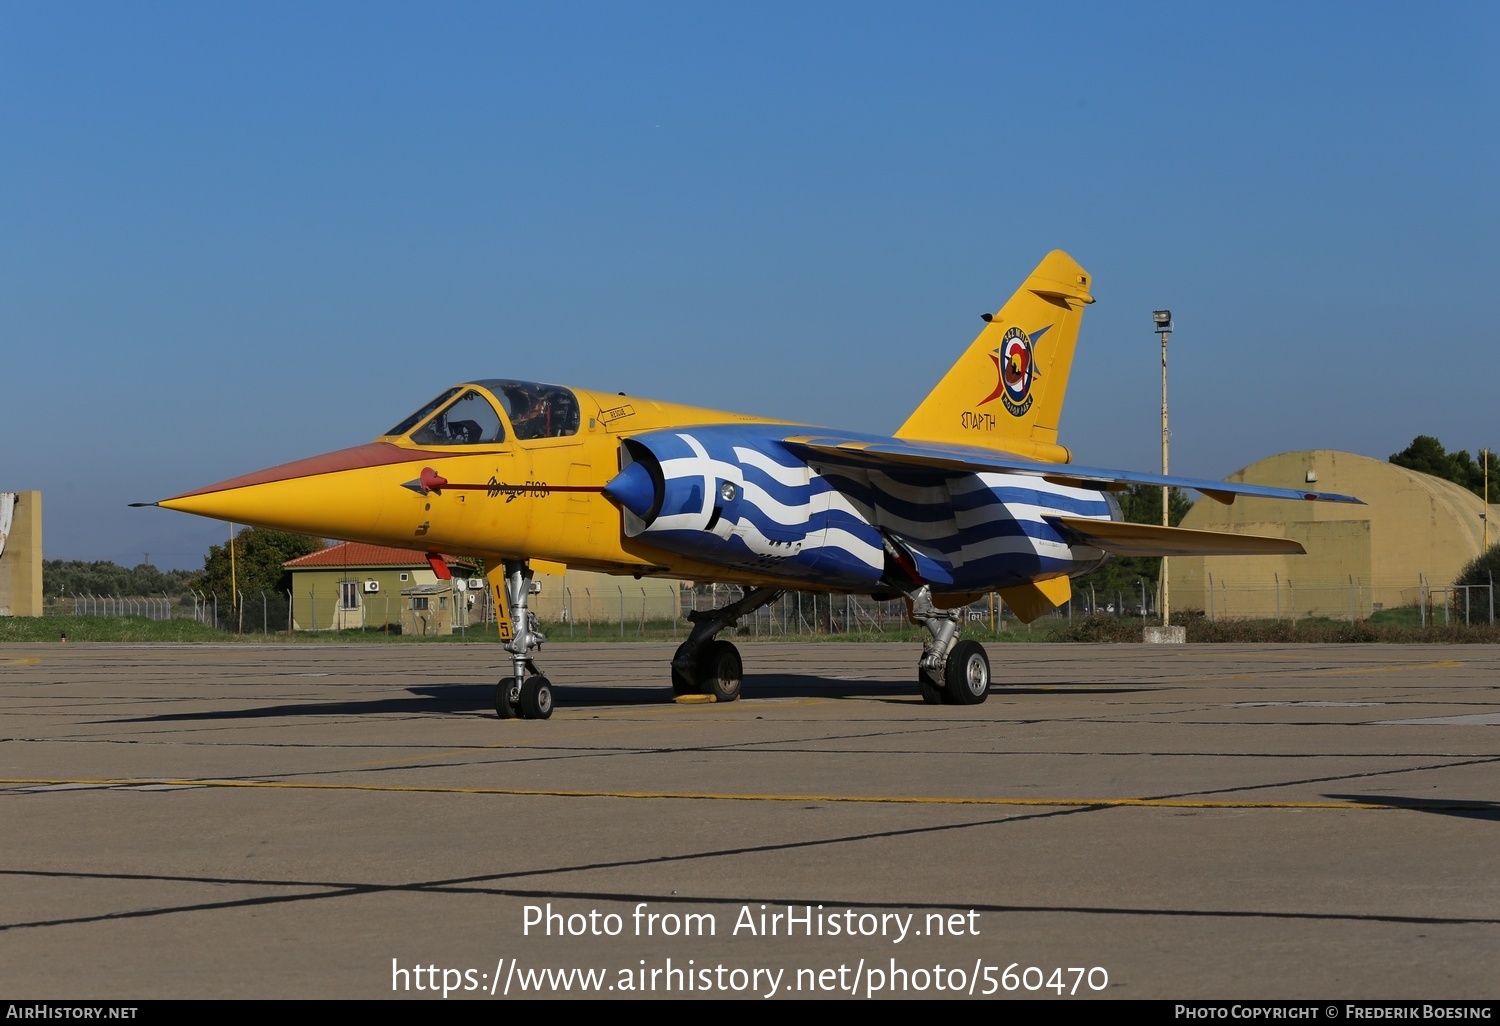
(950, 671)
(529, 697)
(705, 665)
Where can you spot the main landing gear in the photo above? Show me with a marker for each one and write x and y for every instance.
(704, 665)
(950, 672)
(529, 697)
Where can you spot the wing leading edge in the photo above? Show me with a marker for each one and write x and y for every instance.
(892, 454)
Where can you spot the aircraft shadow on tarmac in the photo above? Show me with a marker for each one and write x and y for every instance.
(1463, 808)
(469, 699)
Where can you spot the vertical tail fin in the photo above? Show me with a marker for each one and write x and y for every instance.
(1006, 391)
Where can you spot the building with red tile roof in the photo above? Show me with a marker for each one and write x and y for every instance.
(353, 585)
(350, 555)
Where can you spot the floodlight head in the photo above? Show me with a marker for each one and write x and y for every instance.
(1163, 319)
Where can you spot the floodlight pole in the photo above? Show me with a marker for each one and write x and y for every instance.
(1163, 321)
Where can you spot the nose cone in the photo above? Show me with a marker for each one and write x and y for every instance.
(338, 494)
(634, 489)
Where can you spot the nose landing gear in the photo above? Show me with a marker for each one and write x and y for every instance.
(520, 695)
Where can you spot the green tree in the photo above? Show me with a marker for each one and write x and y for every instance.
(258, 558)
(1426, 455)
(1141, 504)
(1482, 569)
(65, 577)
(1120, 580)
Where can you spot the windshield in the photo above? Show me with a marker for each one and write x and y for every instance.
(422, 414)
(468, 420)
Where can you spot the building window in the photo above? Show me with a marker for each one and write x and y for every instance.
(348, 594)
(405, 578)
(442, 601)
(419, 603)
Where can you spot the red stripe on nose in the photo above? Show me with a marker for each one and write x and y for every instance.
(371, 454)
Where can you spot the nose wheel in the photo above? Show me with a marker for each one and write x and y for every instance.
(530, 699)
(508, 698)
(536, 698)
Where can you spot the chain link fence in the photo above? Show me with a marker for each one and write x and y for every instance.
(1351, 599)
(629, 614)
(152, 607)
(632, 613)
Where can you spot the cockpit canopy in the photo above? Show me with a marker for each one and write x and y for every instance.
(466, 414)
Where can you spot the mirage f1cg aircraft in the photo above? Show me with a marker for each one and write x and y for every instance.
(972, 494)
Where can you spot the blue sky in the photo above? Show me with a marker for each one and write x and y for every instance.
(236, 234)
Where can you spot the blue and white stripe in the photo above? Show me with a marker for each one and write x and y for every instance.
(825, 523)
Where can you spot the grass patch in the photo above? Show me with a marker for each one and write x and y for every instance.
(1310, 630)
(104, 628)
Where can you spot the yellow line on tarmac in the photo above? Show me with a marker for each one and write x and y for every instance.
(27, 661)
(1441, 664)
(1165, 803)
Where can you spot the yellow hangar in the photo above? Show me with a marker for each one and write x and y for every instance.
(1408, 543)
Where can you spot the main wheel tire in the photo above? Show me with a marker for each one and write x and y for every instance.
(720, 671)
(967, 675)
(682, 684)
(931, 693)
(507, 697)
(536, 698)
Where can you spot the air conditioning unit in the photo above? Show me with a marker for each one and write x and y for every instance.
(371, 587)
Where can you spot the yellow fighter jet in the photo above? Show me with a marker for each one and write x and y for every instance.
(972, 494)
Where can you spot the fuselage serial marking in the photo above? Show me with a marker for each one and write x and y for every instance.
(529, 489)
